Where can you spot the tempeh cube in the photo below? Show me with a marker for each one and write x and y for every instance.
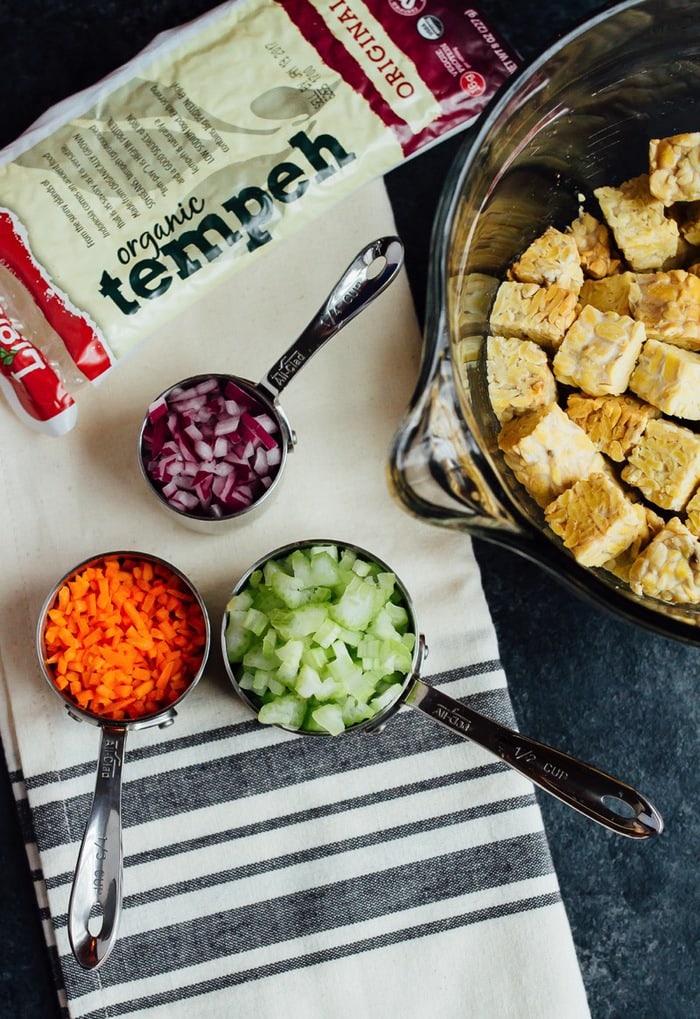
(609, 294)
(669, 567)
(594, 244)
(548, 452)
(690, 223)
(621, 564)
(519, 376)
(643, 232)
(669, 378)
(595, 519)
(599, 351)
(668, 303)
(665, 464)
(531, 312)
(674, 168)
(692, 514)
(476, 294)
(613, 423)
(552, 258)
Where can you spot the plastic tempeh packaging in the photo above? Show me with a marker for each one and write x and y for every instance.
(130, 200)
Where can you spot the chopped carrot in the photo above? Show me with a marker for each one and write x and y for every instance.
(124, 639)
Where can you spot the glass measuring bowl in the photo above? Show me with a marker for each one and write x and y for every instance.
(578, 117)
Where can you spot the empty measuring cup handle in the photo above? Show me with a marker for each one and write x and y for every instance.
(369, 273)
(592, 792)
(96, 896)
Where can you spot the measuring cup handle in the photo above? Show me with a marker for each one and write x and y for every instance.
(96, 896)
(369, 273)
(599, 796)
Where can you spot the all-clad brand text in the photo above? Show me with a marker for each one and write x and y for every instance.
(452, 718)
(287, 367)
(184, 253)
(109, 759)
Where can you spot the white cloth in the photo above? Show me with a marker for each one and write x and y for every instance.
(402, 873)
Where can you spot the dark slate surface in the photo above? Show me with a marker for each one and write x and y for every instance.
(619, 697)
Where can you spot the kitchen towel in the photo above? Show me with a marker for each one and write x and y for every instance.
(405, 872)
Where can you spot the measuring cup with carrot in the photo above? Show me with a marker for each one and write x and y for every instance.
(122, 639)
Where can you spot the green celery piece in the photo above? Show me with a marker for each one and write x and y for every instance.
(240, 602)
(327, 633)
(397, 614)
(246, 680)
(269, 641)
(288, 711)
(324, 569)
(362, 568)
(238, 638)
(255, 659)
(299, 622)
(309, 683)
(289, 657)
(314, 656)
(347, 559)
(354, 712)
(357, 605)
(330, 718)
(351, 638)
(387, 697)
(361, 685)
(256, 621)
(261, 681)
(382, 625)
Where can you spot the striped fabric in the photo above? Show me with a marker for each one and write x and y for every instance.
(270, 875)
(285, 853)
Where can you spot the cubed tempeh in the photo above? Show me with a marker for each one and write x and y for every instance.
(668, 303)
(599, 352)
(609, 294)
(669, 378)
(595, 519)
(594, 242)
(613, 423)
(665, 464)
(519, 376)
(646, 236)
(532, 312)
(674, 168)
(551, 259)
(548, 452)
(669, 567)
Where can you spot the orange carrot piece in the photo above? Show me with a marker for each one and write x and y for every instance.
(125, 638)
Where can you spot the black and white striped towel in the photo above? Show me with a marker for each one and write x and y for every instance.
(267, 875)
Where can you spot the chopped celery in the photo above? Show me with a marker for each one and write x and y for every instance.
(288, 711)
(330, 718)
(321, 639)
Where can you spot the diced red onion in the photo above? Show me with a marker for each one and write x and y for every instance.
(210, 448)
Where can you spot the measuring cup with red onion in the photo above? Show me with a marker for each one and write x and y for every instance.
(96, 895)
(595, 794)
(213, 447)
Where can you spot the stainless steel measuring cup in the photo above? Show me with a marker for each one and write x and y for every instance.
(96, 894)
(597, 795)
(370, 272)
